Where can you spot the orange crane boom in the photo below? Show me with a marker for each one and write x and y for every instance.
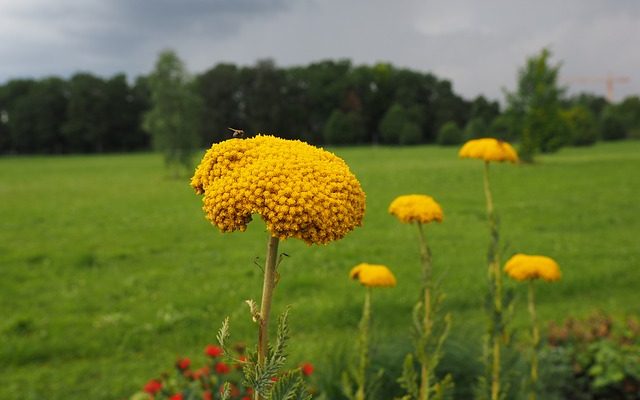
(609, 81)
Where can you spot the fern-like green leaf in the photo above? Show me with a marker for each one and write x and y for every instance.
(226, 391)
(287, 387)
(409, 379)
(223, 335)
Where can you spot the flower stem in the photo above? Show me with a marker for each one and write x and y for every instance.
(495, 282)
(364, 345)
(425, 258)
(268, 285)
(535, 341)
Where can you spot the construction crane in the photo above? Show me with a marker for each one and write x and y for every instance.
(609, 80)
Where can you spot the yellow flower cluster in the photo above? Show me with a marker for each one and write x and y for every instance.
(416, 208)
(299, 190)
(373, 275)
(522, 267)
(489, 149)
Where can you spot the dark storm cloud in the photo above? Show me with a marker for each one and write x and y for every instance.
(477, 45)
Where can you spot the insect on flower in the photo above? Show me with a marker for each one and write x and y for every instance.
(237, 133)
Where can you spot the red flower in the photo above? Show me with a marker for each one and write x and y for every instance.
(153, 386)
(213, 351)
(208, 396)
(246, 398)
(222, 368)
(177, 396)
(183, 363)
(274, 379)
(306, 368)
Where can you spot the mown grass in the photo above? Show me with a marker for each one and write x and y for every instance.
(109, 270)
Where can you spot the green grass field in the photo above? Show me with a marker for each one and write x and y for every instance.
(109, 270)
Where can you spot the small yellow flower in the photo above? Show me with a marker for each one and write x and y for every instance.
(489, 149)
(299, 190)
(416, 208)
(522, 267)
(373, 275)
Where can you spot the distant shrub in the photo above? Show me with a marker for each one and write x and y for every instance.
(612, 126)
(581, 124)
(477, 128)
(398, 126)
(450, 134)
(343, 128)
(502, 128)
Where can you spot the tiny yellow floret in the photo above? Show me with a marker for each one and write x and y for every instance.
(373, 275)
(489, 149)
(299, 190)
(523, 267)
(416, 208)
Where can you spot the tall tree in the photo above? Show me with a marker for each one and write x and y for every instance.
(87, 126)
(535, 107)
(175, 114)
(36, 117)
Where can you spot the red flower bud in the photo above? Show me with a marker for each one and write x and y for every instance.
(208, 396)
(222, 368)
(153, 386)
(213, 351)
(177, 396)
(183, 363)
(306, 368)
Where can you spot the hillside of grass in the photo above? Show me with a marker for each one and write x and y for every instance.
(109, 270)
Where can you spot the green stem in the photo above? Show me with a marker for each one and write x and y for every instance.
(535, 341)
(268, 285)
(495, 281)
(364, 345)
(425, 258)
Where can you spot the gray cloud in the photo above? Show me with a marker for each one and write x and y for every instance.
(478, 45)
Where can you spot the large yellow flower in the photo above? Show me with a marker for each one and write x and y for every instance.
(373, 275)
(299, 190)
(522, 267)
(489, 149)
(416, 208)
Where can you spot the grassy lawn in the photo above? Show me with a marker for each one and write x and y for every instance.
(109, 271)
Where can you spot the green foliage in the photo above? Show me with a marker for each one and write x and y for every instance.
(477, 128)
(535, 107)
(612, 125)
(343, 128)
(502, 127)
(581, 124)
(174, 117)
(399, 126)
(592, 359)
(450, 134)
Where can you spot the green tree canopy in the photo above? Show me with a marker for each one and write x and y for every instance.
(175, 115)
(535, 107)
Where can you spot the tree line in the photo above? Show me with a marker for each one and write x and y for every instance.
(331, 102)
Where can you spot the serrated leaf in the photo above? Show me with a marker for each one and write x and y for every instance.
(287, 387)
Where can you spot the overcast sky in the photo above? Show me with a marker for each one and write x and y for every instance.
(477, 44)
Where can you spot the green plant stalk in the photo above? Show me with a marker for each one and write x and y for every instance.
(495, 281)
(425, 258)
(535, 341)
(364, 345)
(269, 283)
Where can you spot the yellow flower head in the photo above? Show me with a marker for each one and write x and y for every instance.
(489, 149)
(522, 267)
(299, 190)
(373, 275)
(416, 208)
